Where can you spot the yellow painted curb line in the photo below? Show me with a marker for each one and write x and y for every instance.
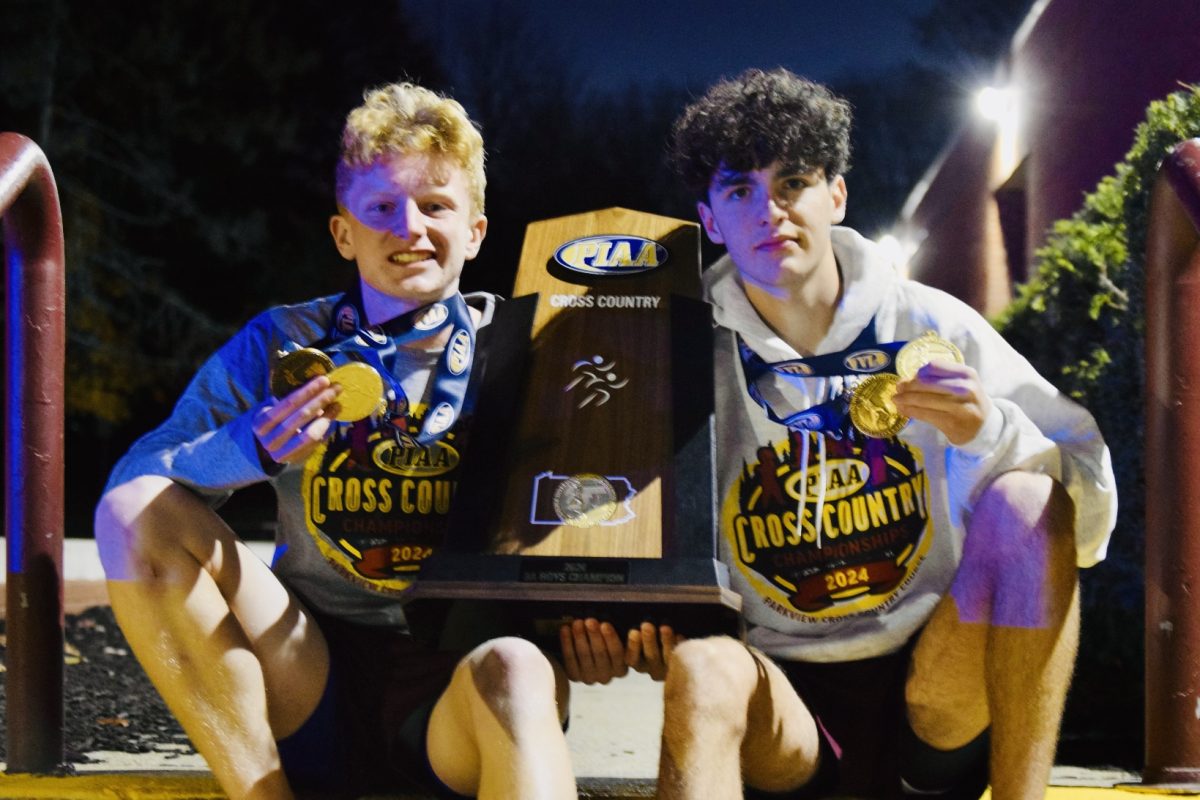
(112, 786)
(202, 786)
(1096, 793)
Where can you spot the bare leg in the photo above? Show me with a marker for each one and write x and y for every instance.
(729, 712)
(1001, 647)
(232, 652)
(496, 732)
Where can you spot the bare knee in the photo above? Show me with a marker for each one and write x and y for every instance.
(945, 692)
(1017, 506)
(1019, 555)
(944, 727)
(512, 675)
(137, 526)
(726, 703)
(710, 680)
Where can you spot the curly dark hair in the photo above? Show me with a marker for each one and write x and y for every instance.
(756, 119)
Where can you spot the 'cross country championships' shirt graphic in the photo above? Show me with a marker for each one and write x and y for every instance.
(836, 536)
(376, 502)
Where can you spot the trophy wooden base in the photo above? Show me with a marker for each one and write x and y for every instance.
(689, 594)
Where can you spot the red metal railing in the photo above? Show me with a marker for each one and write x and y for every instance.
(33, 455)
(1173, 474)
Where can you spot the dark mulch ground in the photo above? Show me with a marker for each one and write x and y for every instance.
(109, 703)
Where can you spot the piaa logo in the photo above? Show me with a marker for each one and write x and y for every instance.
(459, 352)
(794, 368)
(423, 461)
(866, 361)
(611, 255)
(433, 317)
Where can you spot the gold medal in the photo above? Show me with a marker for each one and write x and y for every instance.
(362, 390)
(293, 370)
(871, 408)
(923, 349)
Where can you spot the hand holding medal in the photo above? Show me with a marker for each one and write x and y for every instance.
(361, 385)
(937, 387)
(312, 393)
(931, 383)
(923, 350)
(292, 370)
(292, 426)
(873, 407)
(362, 391)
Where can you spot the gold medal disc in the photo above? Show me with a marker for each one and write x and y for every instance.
(923, 349)
(297, 368)
(871, 408)
(362, 390)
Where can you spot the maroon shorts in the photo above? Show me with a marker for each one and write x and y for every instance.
(368, 732)
(867, 745)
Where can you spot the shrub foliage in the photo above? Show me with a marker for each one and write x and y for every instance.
(1080, 320)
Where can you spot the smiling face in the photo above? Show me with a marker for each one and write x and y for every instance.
(408, 222)
(775, 222)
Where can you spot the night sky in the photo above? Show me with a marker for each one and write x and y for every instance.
(618, 42)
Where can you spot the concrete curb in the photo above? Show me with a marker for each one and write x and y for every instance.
(83, 576)
(81, 561)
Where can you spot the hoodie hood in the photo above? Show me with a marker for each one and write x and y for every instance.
(867, 277)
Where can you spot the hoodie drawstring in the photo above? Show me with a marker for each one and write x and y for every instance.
(821, 482)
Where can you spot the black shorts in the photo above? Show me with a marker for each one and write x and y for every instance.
(867, 745)
(368, 732)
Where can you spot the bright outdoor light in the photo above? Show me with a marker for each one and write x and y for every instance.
(995, 103)
(897, 251)
(1001, 107)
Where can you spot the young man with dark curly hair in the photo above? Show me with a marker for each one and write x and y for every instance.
(905, 544)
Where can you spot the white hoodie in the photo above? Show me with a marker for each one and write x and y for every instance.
(849, 562)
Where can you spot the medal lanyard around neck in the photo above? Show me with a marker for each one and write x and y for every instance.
(351, 339)
(865, 356)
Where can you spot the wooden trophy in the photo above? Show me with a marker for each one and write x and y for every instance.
(589, 486)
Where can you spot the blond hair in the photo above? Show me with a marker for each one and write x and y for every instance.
(403, 118)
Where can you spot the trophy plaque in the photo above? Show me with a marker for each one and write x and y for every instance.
(588, 488)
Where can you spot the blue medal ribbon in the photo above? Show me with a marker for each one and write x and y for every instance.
(350, 339)
(865, 356)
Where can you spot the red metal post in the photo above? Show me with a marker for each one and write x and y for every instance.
(33, 454)
(1173, 474)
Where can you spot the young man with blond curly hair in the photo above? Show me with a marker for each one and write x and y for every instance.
(304, 677)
